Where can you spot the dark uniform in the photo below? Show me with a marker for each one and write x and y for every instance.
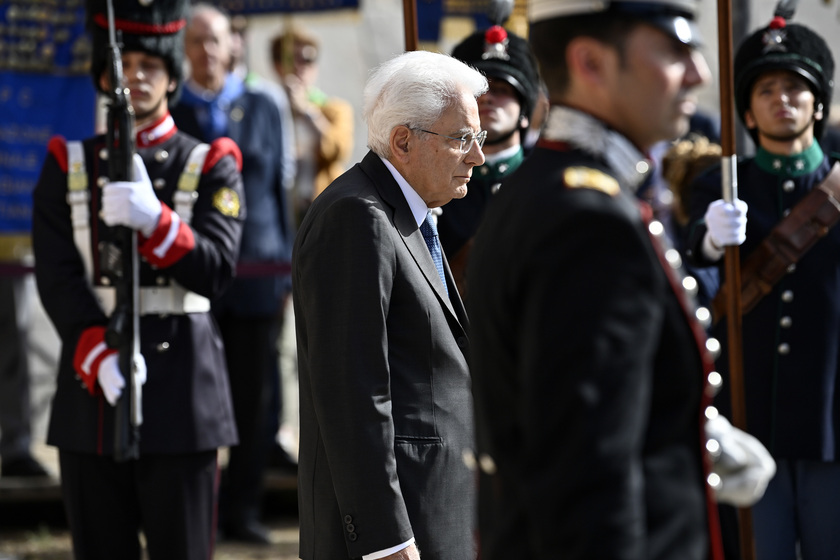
(791, 358)
(499, 55)
(589, 386)
(188, 260)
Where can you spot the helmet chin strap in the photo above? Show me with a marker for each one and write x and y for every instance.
(506, 136)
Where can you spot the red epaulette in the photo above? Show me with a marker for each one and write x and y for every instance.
(57, 146)
(219, 148)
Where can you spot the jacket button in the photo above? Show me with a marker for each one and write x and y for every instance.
(351, 528)
(788, 186)
(673, 258)
(715, 383)
(785, 322)
(787, 296)
(348, 519)
(784, 348)
(791, 268)
(162, 347)
(713, 346)
(352, 537)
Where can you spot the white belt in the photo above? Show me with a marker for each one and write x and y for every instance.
(171, 300)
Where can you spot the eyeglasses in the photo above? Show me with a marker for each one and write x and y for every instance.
(466, 140)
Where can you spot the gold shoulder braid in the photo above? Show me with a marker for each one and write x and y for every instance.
(588, 178)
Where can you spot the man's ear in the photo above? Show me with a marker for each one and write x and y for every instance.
(586, 59)
(104, 81)
(173, 85)
(749, 119)
(401, 142)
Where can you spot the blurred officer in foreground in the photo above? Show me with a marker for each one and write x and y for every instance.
(185, 205)
(784, 77)
(505, 112)
(589, 368)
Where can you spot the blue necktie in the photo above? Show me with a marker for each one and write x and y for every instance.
(431, 236)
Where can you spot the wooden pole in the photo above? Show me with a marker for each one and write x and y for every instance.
(729, 186)
(410, 24)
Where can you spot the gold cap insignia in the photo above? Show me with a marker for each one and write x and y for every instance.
(226, 201)
(588, 178)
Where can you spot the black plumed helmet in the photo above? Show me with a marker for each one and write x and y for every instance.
(152, 26)
(785, 46)
(499, 54)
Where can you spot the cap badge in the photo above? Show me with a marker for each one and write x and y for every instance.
(775, 36)
(496, 43)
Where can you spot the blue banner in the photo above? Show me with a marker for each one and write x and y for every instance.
(247, 7)
(45, 89)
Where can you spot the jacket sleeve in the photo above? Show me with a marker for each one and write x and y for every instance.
(63, 287)
(208, 267)
(344, 269)
(705, 190)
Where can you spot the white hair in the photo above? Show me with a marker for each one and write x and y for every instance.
(413, 89)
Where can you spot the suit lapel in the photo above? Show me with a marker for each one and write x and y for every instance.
(404, 222)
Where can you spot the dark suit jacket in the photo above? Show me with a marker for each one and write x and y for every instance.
(588, 376)
(385, 405)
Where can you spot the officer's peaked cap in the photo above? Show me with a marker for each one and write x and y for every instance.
(674, 17)
(500, 54)
(152, 26)
(785, 46)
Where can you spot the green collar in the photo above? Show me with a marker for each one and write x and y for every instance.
(501, 168)
(796, 165)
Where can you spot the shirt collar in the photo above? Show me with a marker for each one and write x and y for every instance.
(415, 203)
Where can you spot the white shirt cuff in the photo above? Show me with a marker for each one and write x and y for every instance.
(387, 551)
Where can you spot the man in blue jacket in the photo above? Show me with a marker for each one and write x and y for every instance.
(216, 103)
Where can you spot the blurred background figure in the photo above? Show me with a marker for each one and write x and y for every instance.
(505, 112)
(217, 102)
(15, 415)
(684, 161)
(323, 124)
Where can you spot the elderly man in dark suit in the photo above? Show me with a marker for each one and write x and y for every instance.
(385, 405)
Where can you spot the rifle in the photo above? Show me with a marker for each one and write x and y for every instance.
(123, 331)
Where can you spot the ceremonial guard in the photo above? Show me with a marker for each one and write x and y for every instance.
(790, 255)
(185, 205)
(588, 363)
(505, 112)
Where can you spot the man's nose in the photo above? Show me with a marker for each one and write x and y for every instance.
(475, 156)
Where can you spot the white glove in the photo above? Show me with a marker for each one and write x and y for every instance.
(132, 204)
(743, 464)
(726, 224)
(140, 368)
(110, 378)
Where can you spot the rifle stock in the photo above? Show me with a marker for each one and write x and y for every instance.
(123, 331)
